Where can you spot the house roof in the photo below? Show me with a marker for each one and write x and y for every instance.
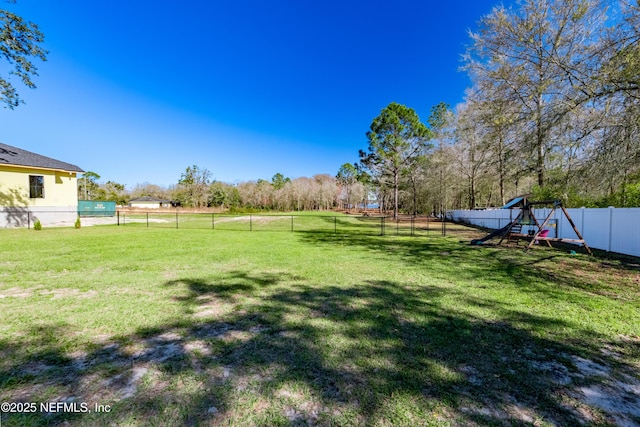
(10, 155)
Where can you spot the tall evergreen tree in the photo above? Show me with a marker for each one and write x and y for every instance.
(396, 137)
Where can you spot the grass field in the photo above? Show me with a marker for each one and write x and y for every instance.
(212, 327)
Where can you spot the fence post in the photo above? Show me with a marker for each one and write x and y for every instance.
(335, 224)
(28, 220)
(292, 223)
(118, 217)
(413, 224)
(147, 219)
(250, 222)
(610, 228)
(213, 221)
(582, 232)
(176, 219)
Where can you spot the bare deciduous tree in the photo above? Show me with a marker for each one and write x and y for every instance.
(543, 56)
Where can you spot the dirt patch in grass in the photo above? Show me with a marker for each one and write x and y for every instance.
(594, 391)
(69, 292)
(54, 293)
(590, 392)
(16, 293)
(615, 395)
(211, 307)
(256, 219)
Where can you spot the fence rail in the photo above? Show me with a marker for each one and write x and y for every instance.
(185, 219)
(372, 225)
(609, 229)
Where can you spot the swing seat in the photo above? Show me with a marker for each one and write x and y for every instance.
(543, 233)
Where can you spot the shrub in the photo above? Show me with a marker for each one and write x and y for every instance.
(37, 225)
(77, 224)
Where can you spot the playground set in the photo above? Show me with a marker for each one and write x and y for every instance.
(526, 217)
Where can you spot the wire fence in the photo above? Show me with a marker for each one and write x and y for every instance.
(379, 225)
(371, 225)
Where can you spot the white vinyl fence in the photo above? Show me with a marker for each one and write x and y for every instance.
(609, 229)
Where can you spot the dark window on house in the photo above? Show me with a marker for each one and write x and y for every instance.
(36, 186)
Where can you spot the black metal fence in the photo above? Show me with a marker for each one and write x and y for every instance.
(373, 225)
(19, 217)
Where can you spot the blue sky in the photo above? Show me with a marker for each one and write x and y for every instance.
(138, 90)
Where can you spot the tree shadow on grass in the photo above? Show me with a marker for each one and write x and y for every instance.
(287, 351)
(528, 270)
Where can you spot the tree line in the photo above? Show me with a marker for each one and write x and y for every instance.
(553, 110)
(196, 189)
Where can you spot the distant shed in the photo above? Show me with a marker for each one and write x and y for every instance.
(148, 202)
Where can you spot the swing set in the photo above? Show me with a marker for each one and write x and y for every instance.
(526, 217)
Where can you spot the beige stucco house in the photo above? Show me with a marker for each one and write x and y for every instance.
(33, 187)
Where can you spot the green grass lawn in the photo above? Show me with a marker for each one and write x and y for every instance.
(217, 327)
